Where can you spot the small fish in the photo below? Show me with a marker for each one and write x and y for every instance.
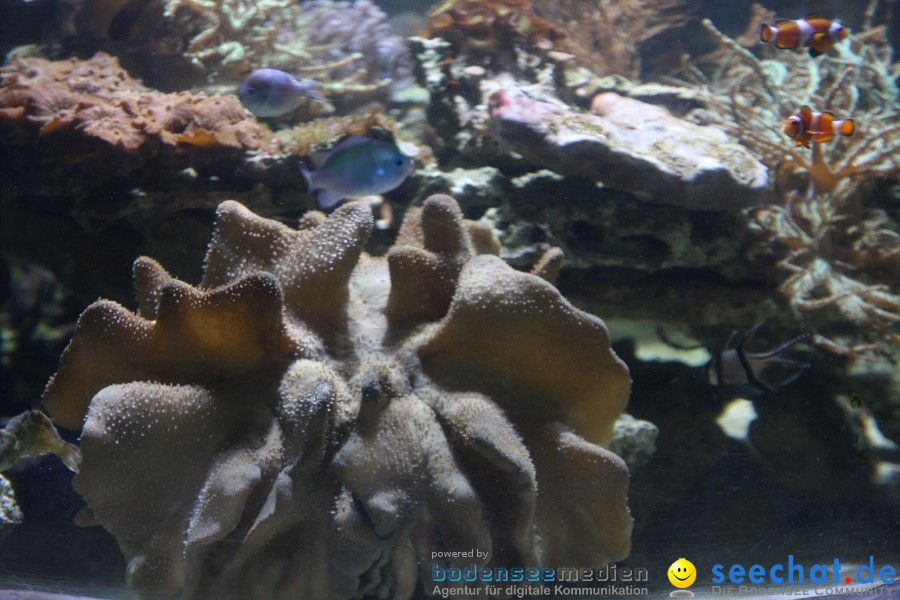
(747, 373)
(356, 166)
(31, 434)
(813, 31)
(272, 93)
(809, 126)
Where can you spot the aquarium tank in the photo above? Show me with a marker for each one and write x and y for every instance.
(386, 299)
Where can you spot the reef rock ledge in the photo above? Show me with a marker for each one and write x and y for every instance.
(314, 422)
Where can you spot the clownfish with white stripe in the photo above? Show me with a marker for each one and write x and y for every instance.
(813, 31)
(807, 126)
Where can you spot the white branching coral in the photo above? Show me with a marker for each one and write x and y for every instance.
(820, 273)
(348, 46)
(229, 28)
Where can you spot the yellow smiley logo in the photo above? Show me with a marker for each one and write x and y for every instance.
(682, 573)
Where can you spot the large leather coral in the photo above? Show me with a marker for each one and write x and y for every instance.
(311, 421)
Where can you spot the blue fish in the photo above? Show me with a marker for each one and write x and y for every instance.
(356, 166)
(272, 93)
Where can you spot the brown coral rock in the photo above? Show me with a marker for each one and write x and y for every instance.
(491, 26)
(92, 114)
(298, 425)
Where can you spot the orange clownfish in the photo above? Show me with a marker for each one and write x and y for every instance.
(813, 31)
(815, 126)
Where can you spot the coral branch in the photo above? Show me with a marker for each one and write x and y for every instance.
(823, 208)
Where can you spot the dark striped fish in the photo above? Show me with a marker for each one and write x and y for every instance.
(752, 374)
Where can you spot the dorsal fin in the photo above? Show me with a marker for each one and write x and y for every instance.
(806, 115)
(350, 141)
(320, 158)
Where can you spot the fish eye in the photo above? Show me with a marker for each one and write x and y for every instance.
(791, 126)
(399, 162)
(251, 91)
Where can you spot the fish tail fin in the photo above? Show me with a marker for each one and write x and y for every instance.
(766, 33)
(317, 198)
(846, 127)
(309, 176)
(317, 96)
(313, 93)
(69, 454)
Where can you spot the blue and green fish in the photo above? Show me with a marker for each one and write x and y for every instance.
(356, 166)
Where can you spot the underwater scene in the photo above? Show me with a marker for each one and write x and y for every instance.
(393, 299)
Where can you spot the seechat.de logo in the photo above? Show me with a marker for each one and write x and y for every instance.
(682, 573)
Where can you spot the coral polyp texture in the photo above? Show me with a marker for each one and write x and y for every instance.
(91, 117)
(311, 421)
